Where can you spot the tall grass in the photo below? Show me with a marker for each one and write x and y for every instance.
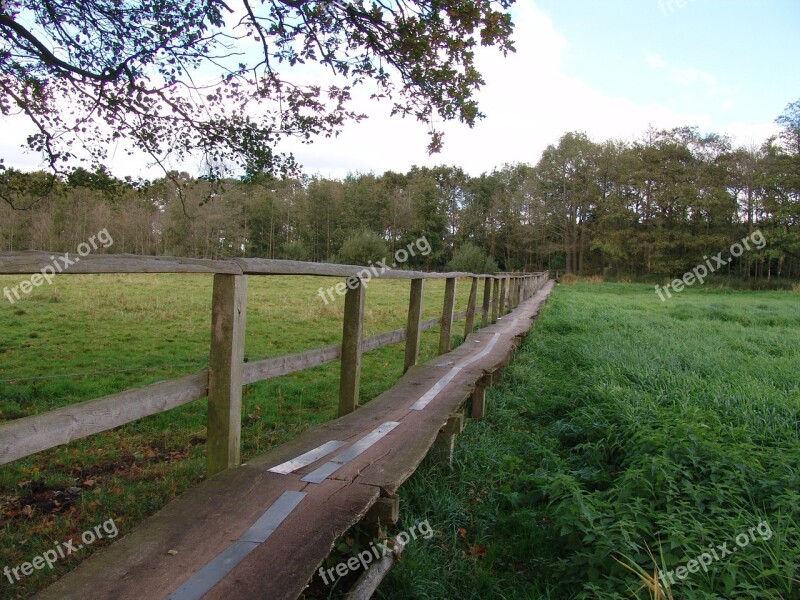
(628, 437)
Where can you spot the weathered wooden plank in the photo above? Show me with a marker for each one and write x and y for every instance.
(469, 324)
(30, 262)
(431, 323)
(447, 315)
(285, 365)
(352, 333)
(29, 435)
(383, 339)
(225, 367)
(280, 568)
(414, 323)
(264, 266)
(196, 527)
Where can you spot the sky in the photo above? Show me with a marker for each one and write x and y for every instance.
(609, 68)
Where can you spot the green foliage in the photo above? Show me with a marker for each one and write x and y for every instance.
(296, 250)
(647, 210)
(119, 80)
(362, 248)
(471, 259)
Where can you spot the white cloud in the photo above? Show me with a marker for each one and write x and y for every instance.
(529, 101)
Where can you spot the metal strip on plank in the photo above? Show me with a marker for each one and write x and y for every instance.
(306, 459)
(199, 584)
(482, 353)
(319, 475)
(434, 391)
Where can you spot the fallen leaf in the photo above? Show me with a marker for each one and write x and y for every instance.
(172, 552)
(462, 532)
(478, 551)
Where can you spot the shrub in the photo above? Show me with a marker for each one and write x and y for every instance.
(362, 248)
(471, 259)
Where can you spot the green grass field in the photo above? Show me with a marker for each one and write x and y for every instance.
(88, 336)
(627, 433)
(625, 427)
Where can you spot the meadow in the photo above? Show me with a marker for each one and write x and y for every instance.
(86, 336)
(629, 438)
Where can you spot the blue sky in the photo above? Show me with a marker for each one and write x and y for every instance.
(749, 47)
(609, 68)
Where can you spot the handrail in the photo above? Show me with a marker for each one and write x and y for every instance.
(222, 382)
(30, 262)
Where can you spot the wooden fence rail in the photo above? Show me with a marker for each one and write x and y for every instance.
(227, 372)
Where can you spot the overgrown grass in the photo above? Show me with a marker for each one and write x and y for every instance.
(627, 432)
(88, 336)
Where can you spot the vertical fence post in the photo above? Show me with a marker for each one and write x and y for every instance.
(487, 299)
(473, 297)
(514, 295)
(510, 293)
(503, 295)
(447, 315)
(225, 365)
(414, 324)
(495, 298)
(352, 334)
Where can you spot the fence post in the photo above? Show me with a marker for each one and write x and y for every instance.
(495, 298)
(510, 293)
(447, 315)
(225, 365)
(414, 324)
(352, 334)
(487, 299)
(473, 297)
(503, 296)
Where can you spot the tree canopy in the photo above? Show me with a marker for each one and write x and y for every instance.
(229, 80)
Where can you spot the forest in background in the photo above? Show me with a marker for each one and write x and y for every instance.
(647, 209)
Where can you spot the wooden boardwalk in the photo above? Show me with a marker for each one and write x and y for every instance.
(261, 530)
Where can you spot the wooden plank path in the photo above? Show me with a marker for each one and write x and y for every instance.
(261, 530)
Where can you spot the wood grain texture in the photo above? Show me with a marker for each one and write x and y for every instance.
(413, 323)
(469, 324)
(30, 262)
(352, 333)
(225, 367)
(447, 315)
(29, 435)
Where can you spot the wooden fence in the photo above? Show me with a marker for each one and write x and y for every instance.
(227, 372)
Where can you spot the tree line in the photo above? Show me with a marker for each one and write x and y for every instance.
(648, 208)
